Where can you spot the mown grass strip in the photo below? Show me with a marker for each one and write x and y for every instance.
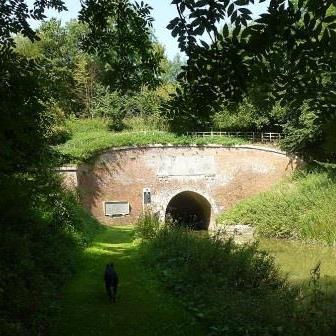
(142, 308)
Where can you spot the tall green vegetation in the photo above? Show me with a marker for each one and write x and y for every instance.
(232, 289)
(302, 207)
(44, 75)
(286, 56)
(246, 116)
(142, 108)
(42, 233)
(123, 40)
(82, 80)
(69, 73)
(29, 258)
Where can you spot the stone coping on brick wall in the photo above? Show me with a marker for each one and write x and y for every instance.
(67, 169)
(74, 167)
(149, 146)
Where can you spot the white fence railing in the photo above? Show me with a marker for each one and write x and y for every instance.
(253, 136)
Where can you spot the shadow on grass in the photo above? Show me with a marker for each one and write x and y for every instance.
(142, 308)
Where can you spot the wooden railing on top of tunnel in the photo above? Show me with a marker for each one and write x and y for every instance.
(253, 136)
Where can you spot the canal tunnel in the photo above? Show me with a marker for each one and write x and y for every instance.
(189, 209)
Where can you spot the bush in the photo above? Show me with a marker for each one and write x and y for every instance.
(42, 232)
(109, 105)
(147, 226)
(302, 132)
(151, 123)
(56, 131)
(243, 117)
(234, 289)
(126, 110)
(59, 135)
(143, 111)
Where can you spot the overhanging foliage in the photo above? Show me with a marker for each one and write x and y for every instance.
(121, 34)
(289, 51)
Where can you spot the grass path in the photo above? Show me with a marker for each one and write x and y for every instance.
(143, 307)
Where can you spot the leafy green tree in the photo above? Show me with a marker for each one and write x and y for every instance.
(85, 74)
(171, 69)
(35, 251)
(22, 127)
(69, 72)
(289, 49)
(120, 33)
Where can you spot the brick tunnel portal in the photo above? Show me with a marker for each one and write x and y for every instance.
(190, 184)
(189, 209)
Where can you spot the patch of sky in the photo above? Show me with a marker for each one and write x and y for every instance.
(163, 12)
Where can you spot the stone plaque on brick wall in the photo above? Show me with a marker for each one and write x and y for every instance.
(115, 209)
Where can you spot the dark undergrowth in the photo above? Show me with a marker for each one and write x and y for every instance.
(42, 235)
(233, 289)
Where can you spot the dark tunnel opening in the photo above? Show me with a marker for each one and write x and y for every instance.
(189, 209)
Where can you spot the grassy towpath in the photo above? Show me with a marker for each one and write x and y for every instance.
(142, 308)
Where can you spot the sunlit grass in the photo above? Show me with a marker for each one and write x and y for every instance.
(143, 307)
(91, 136)
(303, 207)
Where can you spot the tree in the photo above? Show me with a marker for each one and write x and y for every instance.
(171, 69)
(86, 77)
(25, 165)
(70, 73)
(22, 124)
(120, 33)
(290, 48)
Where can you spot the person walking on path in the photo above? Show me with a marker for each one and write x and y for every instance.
(111, 282)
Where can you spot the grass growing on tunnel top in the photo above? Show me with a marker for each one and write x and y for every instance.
(233, 290)
(302, 207)
(143, 307)
(91, 136)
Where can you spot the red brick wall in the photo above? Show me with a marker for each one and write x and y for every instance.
(224, 176)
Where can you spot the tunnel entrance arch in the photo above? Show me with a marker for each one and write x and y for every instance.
(189, 209)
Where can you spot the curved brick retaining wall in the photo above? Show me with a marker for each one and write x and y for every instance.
(222, 175)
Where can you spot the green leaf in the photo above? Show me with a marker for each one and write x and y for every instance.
(199, 30)
(242, 2)
(226, 30)
(332, 26)
(245, 11)
(329, 19)
(205, 45)
(201, 3)
(230, 9)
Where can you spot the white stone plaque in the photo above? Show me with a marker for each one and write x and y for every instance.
(116, 209)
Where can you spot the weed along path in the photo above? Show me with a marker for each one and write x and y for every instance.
(142, 307)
